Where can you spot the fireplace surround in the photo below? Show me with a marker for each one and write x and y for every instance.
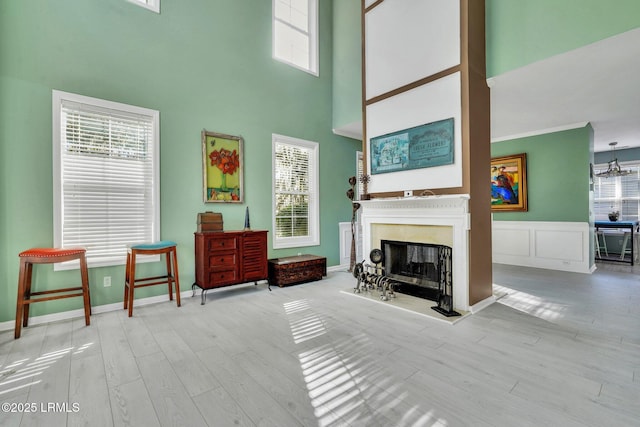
(437, 220)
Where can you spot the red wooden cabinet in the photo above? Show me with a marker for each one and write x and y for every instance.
(225, 258)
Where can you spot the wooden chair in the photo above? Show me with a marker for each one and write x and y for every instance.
(130, 282)
(49, 256)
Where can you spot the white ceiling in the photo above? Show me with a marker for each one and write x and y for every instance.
(597, 84)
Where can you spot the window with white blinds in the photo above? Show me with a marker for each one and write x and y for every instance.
(620, 193)
(106, 176)
(295, 33)
(153, 5)
(295, 192)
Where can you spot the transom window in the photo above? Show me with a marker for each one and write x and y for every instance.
(295, 192)
(620, 193)
(295, 33)
(105, 175)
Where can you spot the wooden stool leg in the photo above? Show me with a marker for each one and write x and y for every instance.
(132, 281)
(175, 272)
(27, 293)
(167, 257)
(84, 274)
(125, 298)
(20, 301)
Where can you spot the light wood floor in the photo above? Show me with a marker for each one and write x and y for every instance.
(557, 349)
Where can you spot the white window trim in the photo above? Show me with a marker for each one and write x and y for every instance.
(314, 68)
(313, 239)
(153, 5)
(359, 172)
(57, 98)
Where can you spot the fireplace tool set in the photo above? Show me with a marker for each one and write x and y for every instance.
(371, 276)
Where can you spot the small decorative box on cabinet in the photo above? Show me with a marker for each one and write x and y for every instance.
(296, 269)
(225, 258)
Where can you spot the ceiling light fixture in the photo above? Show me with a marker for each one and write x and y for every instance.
(614, 168)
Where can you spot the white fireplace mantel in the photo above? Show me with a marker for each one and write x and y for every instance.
(443, 210)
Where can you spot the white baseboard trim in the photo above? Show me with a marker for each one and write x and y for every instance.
(339, 267)
(79, 313)
(481, 305)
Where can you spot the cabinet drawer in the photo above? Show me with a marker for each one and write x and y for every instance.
(223, 243)
(222, 260)
(221, 278)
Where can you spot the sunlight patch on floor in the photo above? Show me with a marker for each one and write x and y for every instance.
(21, 373)
(345, 383)
(529, 304)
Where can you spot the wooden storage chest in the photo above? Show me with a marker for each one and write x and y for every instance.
(210, 221)
(296, 269)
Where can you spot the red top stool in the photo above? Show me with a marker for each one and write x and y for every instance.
(49, 256)
(166, 247)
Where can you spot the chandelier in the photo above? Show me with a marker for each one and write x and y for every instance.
(613, 168)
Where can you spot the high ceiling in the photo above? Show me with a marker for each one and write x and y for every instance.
(598, 83)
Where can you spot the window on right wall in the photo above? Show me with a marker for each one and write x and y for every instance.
(295, 33)
(619, 193)
(296, 210)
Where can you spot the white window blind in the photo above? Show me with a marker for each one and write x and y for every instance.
(295, 192)
(105, 176)
(295, 33)
(620, 193)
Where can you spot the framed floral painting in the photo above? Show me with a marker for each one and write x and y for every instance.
(509, 183)
(223, 168)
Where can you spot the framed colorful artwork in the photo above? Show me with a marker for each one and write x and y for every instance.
(509, 183)
(223, 168)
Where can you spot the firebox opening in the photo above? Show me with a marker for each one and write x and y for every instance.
(416, 268)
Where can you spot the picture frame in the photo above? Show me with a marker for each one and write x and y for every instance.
(222, 168)
(509, 183)
(424, 146)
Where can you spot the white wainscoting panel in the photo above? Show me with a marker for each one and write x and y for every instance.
(345, 243)
(551, 245)
(512, 242)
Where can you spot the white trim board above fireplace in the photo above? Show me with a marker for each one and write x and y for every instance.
(435, 214)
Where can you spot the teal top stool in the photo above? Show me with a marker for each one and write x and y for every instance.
(49, 256)
(166, 247)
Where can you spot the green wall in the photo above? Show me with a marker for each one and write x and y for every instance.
(557, 175)
(202, 64)
(347, 62)
(520, 32)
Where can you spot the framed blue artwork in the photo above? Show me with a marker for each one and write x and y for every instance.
(423, 146)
